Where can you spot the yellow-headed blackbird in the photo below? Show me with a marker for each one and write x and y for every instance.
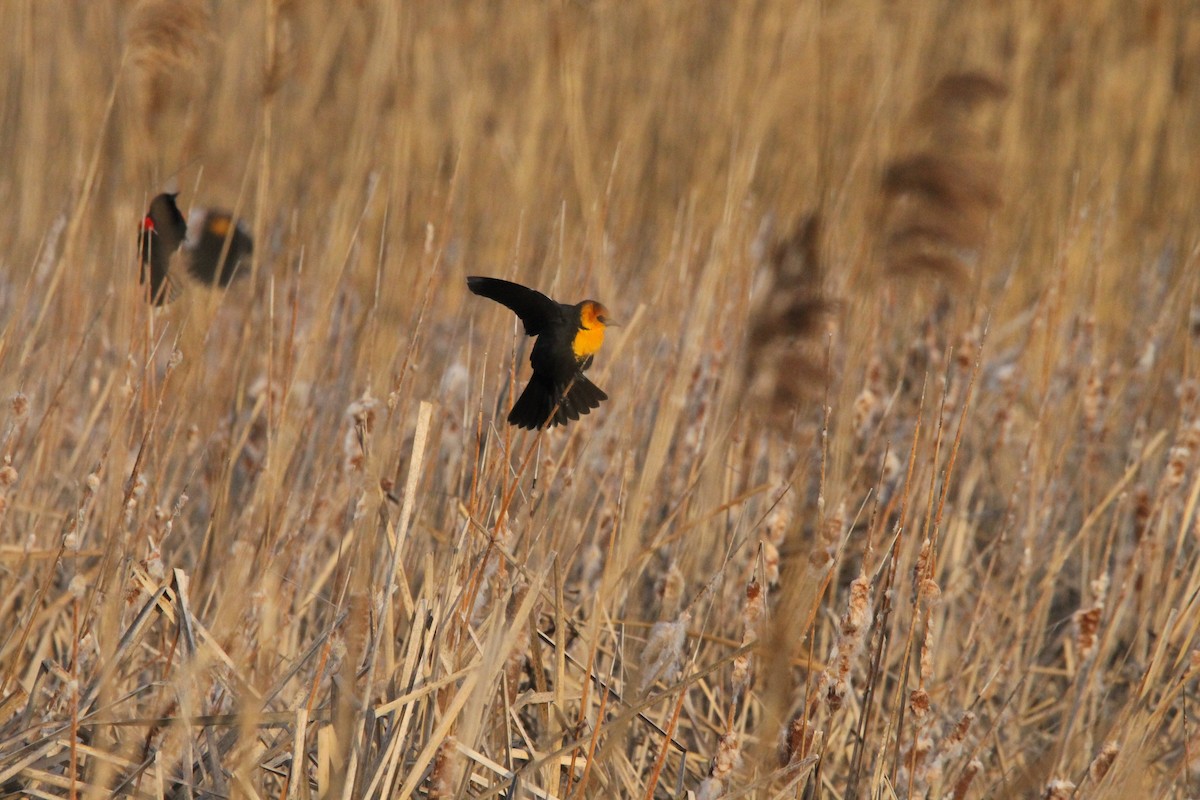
(198, 242)
(567, 339)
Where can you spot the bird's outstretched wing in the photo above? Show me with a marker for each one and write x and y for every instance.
(535, 309)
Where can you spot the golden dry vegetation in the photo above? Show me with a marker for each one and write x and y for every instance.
(895, 495)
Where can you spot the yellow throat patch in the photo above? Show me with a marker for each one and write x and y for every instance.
(590, 335)
(218, 225)
(587, 341)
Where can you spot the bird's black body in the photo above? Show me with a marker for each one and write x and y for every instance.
(162, 233)
(567, 338)
(213, 251)
(209, 261)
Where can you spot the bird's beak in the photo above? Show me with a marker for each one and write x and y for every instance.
(608, 323)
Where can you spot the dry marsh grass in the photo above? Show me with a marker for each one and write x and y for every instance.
(863, 536)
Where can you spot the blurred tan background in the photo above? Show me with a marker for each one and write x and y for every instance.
(978, 227)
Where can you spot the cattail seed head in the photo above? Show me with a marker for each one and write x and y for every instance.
(963, 785)
(664, 649)
(360, 423)
(1058, 789)
(671, 587)
(770, 559)
(1095, 400)
(858, 614)
(797, 740)
(1178, 458)
(867, 410)
(1188, 393)
(918, 703)
(752, 610)
(1087, 624)
(442, 778)
(727, 759)
(830, 535)
(1103, 761)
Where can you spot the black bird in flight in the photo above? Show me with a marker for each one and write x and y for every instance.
(568, 336)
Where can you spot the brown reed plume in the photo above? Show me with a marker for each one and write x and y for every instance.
(167, 45)
(939, 197)
(785, 353)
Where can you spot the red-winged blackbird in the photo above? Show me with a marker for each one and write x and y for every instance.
(567, 339)
(199, 242)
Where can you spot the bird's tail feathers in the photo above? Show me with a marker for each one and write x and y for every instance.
(540, 405)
